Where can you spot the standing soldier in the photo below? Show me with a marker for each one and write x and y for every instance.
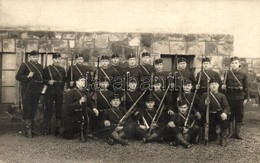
(218, 111)
(119, 74)
(147, 69)
(236, 86)
(31, 79)
(160, 74)
(206, 73)
(78, 70)
(115, 63)
(54, 77)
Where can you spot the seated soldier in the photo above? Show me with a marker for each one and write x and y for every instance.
(182, 126)
(117, 129)
(78, 109)
(218, 111)
(151, 122)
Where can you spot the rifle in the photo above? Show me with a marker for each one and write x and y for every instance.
(71, 71)
(174, 71)
(159, 110)
(126, 78)
(130, 111)
(96, 81)
(20, 87)
(207, 117)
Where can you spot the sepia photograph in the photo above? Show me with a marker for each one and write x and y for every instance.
(114, 81)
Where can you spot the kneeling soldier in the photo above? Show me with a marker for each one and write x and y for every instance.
(183, 126)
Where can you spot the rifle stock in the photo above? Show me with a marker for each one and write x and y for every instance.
(207, 117)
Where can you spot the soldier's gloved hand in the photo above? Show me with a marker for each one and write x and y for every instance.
(170, 112)
(96, 112)
(207, 101)
(245, 101)
(171, 124)
(142, 127)
(185, 130)
(154, 125)
(224, 86)
(119, 128)
(197, 86)
(172, 85)
(223, 116)
(30, 74)
(51, 82)
(83, 99)
(198, 115)
(107, 123)
(71, 83)
(178, 99)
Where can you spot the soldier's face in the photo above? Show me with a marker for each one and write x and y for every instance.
(157, 86)
(187, 88)
(115, 102)
(214, 86)
(56, 60)
(159, 67)
(132, 85)
(80, 60)
(104, 63)
(131, 61)
(104, 84)
(182, 65)
(146, 60)
(183, 109)
(235, 64)
(150, 105)
(206, 65)
(115, 60)
(34, 58)
(81, 83)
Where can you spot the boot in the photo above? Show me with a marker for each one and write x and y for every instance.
(57, 127)
(182, 141)
(230, 129)
(116, 137)
(237, 131)
(223, 137)
(28, 128)
(47, 128)
(152, 137)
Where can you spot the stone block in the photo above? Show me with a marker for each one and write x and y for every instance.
(196, 48)
(38, 35)
(3, 34)
(60, 46)
(89, 44)
(211, 48)
(197, 61)
(96, 53)
(226, 61)
(58, 35)
(26, 35)
(32, 45)
(105, 52)
(116, 47)
(86, 54)
(117, 36)
(161, 47)
(177, 47)
(8, 45)
(89, 37)
(176, 37)
(146, 39)
(43, 44)
(251, 76)
(129, 50)
(133, 39)
(144, 49)
(229, 39)
(258, 77)
(216, 62)
(68, 35)
(160, 37)
(256, 63)
(20, 45)
(225, 49)
(0, 45)
(101, 40)
(220, 38)
(79, 39)
(190, 38)
(71, 43)
(50, 35)
(14, 34)
(203, 37)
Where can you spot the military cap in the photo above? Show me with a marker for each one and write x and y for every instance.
(130, 56)
(80, 77)
(132, 80)
(115, 96)
(234, 58)
(34, 52)
(145, 54)
(56, 55)
(157, 61)
(115, 55)
(205, 59)
(78, 55)
(149, 98)
(214, 80)
(181, 103)
(182, 59)
(104, 57)
(158, 80)
(187, 82)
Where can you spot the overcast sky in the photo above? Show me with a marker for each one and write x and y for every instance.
(239, 18)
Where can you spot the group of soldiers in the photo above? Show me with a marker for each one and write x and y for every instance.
(134, 100)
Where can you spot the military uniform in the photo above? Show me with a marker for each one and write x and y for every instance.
(54, 93)
(30, 90)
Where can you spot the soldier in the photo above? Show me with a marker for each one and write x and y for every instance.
(54, 77)
(236, 86)
(218, 111)
(119, 75)
(160, 74)
(182, 126)
(31, 79)
(206, 74)
(78, 70)
(115, 63)
(133, 70)
(112, 121)
(146, 66)
(78, 108)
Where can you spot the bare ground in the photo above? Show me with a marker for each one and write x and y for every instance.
(16, 148)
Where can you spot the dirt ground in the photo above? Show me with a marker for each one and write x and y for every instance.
(16, 148)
